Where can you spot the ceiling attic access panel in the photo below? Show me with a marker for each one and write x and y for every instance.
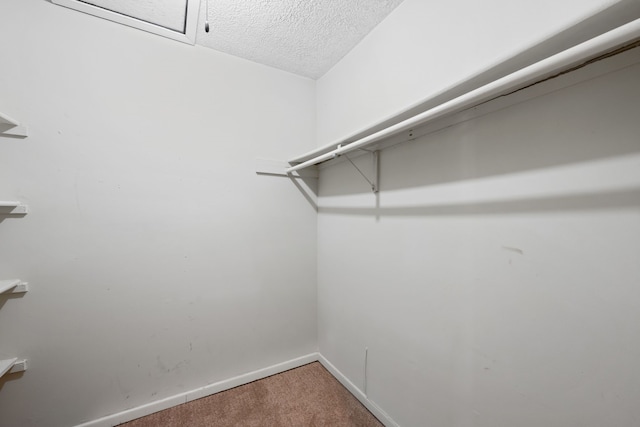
(174, 19)
(170, 14)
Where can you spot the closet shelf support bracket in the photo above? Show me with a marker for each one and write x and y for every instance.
(375, 181)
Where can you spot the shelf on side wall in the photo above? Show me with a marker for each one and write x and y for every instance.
(13, 286)
(13, 208)
(11, 127)
(12, 366)
(6, 365)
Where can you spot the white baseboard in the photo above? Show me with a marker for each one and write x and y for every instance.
(159, 405)
(178, 399)
(369, 404)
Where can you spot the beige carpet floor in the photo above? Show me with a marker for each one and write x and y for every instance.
(305, 396)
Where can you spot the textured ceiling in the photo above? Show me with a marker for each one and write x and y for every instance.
(305, 37)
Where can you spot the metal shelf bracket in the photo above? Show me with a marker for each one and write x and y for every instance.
(375, 181)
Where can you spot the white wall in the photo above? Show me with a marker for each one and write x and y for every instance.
(158, 260)
(423, 48)
(495, 279)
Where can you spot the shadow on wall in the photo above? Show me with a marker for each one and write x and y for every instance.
(10, 377)
(6, 297)
(8, 212)
(592, 201)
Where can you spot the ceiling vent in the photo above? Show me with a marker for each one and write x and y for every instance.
(175, 19)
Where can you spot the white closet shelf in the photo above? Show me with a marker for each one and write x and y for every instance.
(14, 208)
(6, 365)
(8, 120)
(13, 286)
(12, 366)
(11, 127)
(405, 129)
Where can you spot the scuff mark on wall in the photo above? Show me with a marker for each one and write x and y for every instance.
(512, 249)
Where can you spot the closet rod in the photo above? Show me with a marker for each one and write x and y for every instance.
(548, 67)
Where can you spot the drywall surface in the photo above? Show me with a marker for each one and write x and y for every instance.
(423, 48)
(494, 280)
(158, 260)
